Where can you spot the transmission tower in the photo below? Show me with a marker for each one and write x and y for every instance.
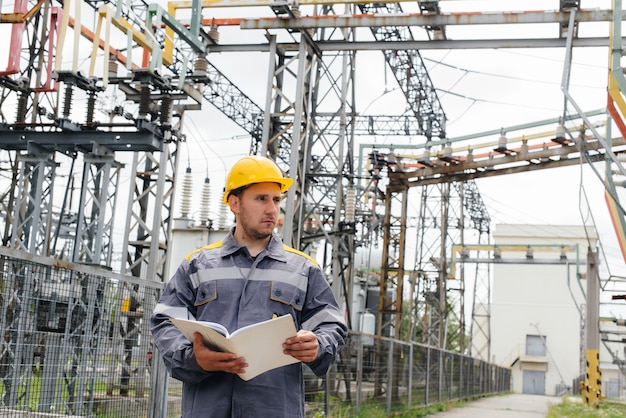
(149, 66)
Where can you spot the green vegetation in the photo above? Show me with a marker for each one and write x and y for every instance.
(428, 410)
(577, 409)
(376, 409)
(103, 407)
(568, 408)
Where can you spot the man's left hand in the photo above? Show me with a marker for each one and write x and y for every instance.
(302, 347)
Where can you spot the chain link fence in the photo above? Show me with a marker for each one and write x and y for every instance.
(75, 341)
(382, 374)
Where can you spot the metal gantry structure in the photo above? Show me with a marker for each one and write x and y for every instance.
(309, 123)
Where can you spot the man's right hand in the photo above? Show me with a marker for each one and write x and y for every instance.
(215, 361)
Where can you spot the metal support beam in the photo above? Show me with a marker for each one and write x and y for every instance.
(147, 234)
(378, 20)
(519, 160)
(32, 218)
(83, 140)
(392, 268)
(398, 45)
(98, 197)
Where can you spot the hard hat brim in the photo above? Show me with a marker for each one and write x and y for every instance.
(285, 183)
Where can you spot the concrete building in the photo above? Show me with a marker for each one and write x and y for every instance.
(538, 305)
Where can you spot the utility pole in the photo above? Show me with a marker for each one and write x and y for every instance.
(592, 391)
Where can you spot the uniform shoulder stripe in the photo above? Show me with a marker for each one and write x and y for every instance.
(300, 253)
(213, 246)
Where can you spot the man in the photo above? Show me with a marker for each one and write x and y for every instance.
(247, 278)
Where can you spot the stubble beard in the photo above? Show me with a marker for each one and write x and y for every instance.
(256, 233)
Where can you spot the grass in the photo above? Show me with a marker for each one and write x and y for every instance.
(372, 409)
(568, 408)
(572, 409)
(429, 410)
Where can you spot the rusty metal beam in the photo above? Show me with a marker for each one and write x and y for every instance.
(326, 46)
(416, 19)
(522, 161)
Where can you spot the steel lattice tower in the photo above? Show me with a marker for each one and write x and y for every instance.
(309, 123)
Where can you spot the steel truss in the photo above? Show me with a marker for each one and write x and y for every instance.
(320, 161)
(46, 126)
(308, 123)
(32, 221)
(95, 225)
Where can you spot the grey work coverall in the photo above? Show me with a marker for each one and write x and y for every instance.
(223, 283)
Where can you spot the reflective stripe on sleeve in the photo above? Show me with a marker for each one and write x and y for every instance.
(325, 316)
(172, 311)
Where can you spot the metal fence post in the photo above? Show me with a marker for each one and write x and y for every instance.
(359, 372)
(427, 391)
(410, 378)
(390, 382)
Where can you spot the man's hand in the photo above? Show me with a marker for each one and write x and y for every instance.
(302, 347)
(215, 361)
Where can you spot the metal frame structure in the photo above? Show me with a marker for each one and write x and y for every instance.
(309, 124)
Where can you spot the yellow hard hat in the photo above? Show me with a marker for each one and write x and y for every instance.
(255, 169)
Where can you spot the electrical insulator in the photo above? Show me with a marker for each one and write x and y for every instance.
(112, 68)
(223, 224)
(425, 158)
(560, 133)
(377, 160)
(200, 67)
(67, 101)
(214, 34)
(186, 190)
(144, 100)
(351, 204)
(502, 140)
(529, 253)
(22, 107)
(205, 201)
(166, 110)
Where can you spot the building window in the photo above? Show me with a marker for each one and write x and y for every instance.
(535, 345)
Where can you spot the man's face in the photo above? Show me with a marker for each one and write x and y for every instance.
(257, 209)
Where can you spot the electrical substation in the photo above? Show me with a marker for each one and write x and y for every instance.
(98, 199)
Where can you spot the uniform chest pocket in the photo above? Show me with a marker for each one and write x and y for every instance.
(207, 292)
(287, 294)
